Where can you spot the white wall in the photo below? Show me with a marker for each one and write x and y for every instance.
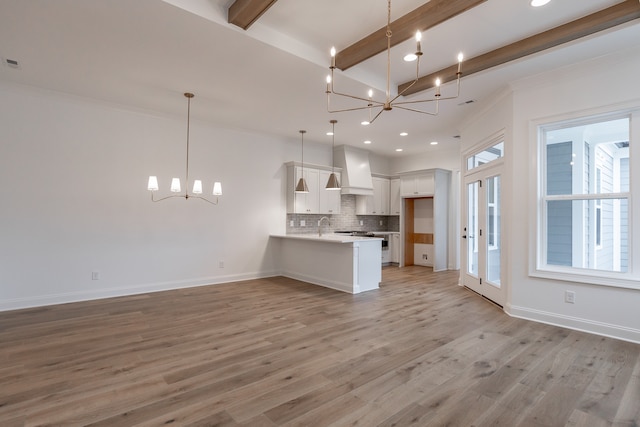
(74, 200)
(591, 85)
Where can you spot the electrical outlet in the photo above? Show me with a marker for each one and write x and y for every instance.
(303, 223)
(569, 297)
(424, 256)
(221, 264)
(95, 275)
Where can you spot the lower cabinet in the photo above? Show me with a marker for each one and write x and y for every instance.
(394, 248)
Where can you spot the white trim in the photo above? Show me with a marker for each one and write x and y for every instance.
(69, 297)
(575, 323)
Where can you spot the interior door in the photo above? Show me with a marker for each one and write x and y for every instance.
(482, 232)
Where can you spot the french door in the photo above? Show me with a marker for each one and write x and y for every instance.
(482, 235)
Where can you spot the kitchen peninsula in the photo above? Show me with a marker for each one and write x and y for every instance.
(346, 263)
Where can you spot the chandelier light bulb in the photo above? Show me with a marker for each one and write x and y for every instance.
(175, 185)
(153, 183)
(418, 36)
(197, 187)
(370, 93)
(438, 87)
(217, 189)
(328, 79)
(333, 57)
(460, 57)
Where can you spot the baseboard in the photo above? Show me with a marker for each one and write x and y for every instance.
(344, 287)
(68, 297)
(579, 324)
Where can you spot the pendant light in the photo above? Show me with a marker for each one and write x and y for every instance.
(302, 184)
(175, 188)
(333, 183)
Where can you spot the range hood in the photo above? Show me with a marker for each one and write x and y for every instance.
(356, 171)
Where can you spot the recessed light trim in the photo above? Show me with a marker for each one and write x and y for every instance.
(410, 57)
(365, 123)
(403, 134)
(398, 149)
(434, 143)
(538, 3)
(367, 142)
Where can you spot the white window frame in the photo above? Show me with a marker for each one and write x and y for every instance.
(537, 257)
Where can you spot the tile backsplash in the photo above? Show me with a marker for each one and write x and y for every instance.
(345, 220)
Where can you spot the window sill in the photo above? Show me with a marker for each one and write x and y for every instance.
(612, 279)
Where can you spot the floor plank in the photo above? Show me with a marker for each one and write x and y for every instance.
(419, 351)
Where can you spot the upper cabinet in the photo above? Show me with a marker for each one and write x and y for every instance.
(394, 196)
(378, 204)
(318, 200)
(420, 183)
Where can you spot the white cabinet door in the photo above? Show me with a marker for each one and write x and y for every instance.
(307, 202)
(381, 190)
(394, 247)
(394, 197)
(425, 184)
(378, 204)
(420, 184)
(329, 200)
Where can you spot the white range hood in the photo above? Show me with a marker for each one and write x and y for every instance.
(356, 171)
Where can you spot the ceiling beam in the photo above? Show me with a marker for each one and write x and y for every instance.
(607, 18)
(243, 13)
(424, 17)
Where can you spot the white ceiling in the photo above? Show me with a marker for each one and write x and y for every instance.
(271, 78)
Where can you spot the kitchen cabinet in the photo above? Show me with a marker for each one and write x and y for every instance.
(394, 248)
(328, 200)
(394, 196)
(378, 204)
(318, 200)
(426, 223)
(418, 184)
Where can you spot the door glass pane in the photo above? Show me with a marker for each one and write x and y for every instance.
(493, 230)
(472, 228)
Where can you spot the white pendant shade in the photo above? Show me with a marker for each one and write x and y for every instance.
(153, 183)
(175, 185)
(217, 189)
(197, 187)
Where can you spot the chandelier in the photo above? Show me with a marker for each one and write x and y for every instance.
(175, 182)
(389, 103)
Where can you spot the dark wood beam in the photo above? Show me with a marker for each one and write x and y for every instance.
(424, 17)
(607, 18)
(243, 13)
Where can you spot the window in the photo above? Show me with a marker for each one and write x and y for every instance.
(486, 156)
(584, 195)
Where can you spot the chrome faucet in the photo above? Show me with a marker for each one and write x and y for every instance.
(320, 225)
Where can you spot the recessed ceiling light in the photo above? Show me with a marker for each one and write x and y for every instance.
(364, 123)
(403, 134)
(410, 57)
(329, 133)
(434, 142)
(398, 149)
(538, 3)
(367, 142)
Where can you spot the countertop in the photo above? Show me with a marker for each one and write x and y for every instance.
(328, 237)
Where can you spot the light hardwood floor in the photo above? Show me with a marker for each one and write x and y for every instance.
(420, 351)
